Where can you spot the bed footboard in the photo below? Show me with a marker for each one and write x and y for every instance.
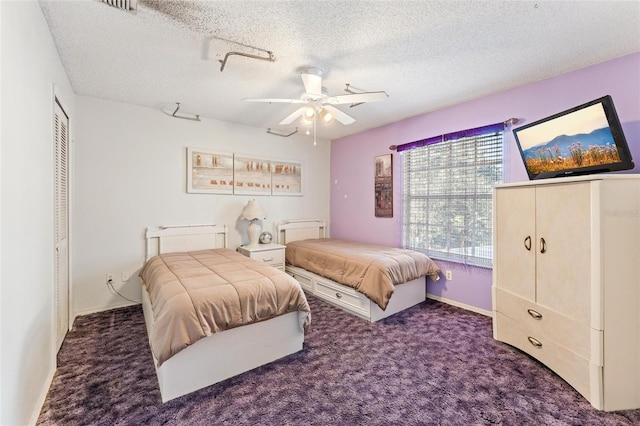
(226, 354)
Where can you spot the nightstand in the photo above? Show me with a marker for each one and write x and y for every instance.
(271, 254)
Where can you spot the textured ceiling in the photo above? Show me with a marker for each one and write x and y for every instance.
(425, 54)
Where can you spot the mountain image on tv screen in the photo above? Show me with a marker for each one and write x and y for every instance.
(580, 139)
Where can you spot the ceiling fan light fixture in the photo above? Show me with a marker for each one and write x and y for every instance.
(309, 113)
(316, 102)
(326, 115)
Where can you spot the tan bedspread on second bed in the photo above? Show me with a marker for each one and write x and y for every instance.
(371, 269)
(195, 294)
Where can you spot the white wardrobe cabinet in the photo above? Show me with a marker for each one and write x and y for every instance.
(566, 281)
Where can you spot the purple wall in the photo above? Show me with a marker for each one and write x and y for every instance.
(352, 157)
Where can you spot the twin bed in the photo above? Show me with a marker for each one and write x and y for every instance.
(359, 278)
(207, 343)
(212, 313)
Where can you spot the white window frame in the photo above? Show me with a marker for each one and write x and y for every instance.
(447, 194)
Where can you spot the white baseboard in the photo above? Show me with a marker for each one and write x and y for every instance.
(41, 399)
(102, 309)
(460, 305)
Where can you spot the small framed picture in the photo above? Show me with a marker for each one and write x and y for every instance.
(383, 186)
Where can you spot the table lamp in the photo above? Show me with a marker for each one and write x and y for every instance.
(253, 212)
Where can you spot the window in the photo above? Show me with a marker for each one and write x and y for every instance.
(447, 194)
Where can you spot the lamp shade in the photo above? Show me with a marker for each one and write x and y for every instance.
(326, 115)
(253, 211)
(309, 113)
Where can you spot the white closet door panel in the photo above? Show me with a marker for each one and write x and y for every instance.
(514, 264)
(564, 248)
(61, 221)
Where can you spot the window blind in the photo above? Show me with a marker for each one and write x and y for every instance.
(447, 194)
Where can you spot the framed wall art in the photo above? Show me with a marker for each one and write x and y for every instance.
(209, 172)
(217, 172)
(383, 185)
(251, 175)
(286, 178)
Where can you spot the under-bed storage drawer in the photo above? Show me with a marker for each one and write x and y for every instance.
(339, 295)
(343, 296)
(305, 281)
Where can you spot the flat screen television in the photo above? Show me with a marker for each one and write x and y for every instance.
(582, 140)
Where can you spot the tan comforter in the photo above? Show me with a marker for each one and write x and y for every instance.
(195, 294)
(371, 269)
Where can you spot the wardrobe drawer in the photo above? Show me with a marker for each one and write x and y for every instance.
(342, 296)
(573, 368)
(574, 335)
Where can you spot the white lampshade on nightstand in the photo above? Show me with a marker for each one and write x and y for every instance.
(253, 212)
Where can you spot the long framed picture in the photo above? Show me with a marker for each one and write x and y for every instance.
(383, 185)
(218, 172)
(209, 172)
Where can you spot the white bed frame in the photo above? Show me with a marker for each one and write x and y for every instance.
(224, 354)
(405, 295)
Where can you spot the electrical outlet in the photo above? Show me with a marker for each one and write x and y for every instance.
(448, 275)
(125, 277)
(109, 278)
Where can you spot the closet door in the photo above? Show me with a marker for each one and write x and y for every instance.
(61, 220)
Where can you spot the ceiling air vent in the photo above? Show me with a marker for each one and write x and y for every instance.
(127, 5)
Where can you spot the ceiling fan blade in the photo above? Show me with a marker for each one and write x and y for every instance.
(291, 117)
(275, 100)
(312, 81)
(356, 98)
(339, 115)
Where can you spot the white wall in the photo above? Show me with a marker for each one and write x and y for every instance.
(130, 172)
(30, 73)
(128, 167)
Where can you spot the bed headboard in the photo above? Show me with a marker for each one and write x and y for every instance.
(294, 230)
(172, 238)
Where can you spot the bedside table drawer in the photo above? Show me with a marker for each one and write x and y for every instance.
(270, 254)
(272, 257)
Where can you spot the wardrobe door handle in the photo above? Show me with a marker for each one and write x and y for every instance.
(338, 295)
(543, 245)
(527, 243)
(535, 314)
(535, 342)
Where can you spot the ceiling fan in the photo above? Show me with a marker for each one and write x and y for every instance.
(320, 104)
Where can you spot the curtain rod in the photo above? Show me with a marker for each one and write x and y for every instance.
(455, 135)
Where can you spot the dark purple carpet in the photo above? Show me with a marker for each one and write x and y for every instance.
(433, 364)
